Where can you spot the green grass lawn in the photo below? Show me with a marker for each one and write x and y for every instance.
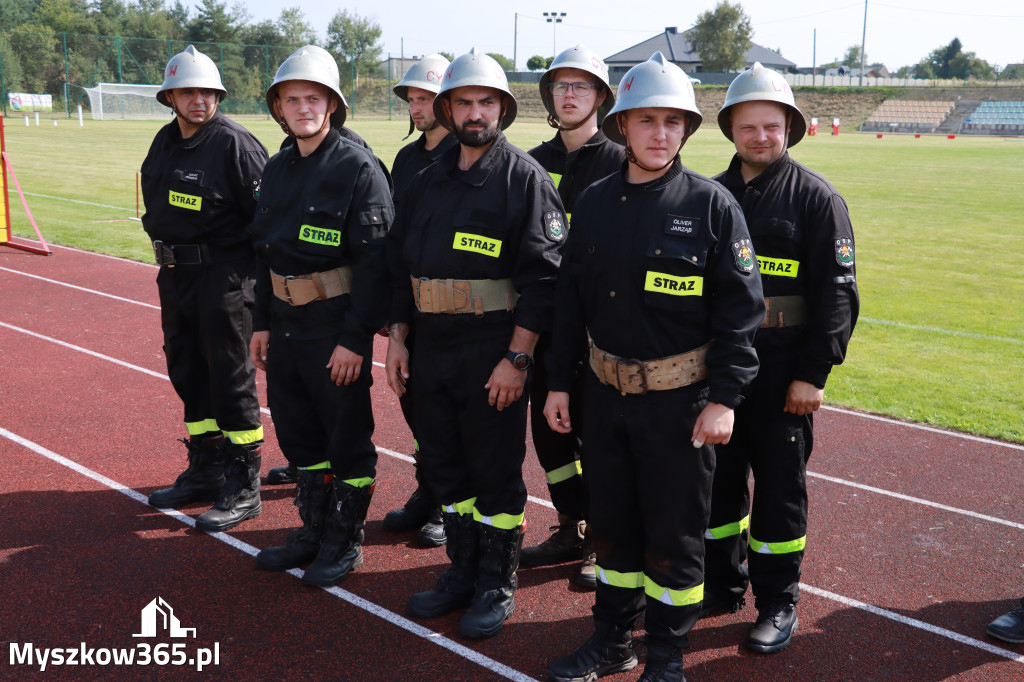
(941, 335)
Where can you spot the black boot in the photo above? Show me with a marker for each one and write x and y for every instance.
(416, 512)
(609, 650)
(240, 497)
(454, 589)
(314, 502)
(341, 550)
(664, 664)
(774, 628)
(282, 475)
(203, 478)
(493, 600)
(432, 533)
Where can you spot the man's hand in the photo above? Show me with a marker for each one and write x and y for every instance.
(714, 425)
(803, 398)
(505, 384)
(258, 347)
(344, 366)
(397, 366)
(556, 411)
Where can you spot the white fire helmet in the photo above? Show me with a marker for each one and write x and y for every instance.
(581, 58)
(479, 70)
(654, 83)
(760, 84)
(314, 64)
(190, 68)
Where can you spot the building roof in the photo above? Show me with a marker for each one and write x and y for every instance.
(678, 50)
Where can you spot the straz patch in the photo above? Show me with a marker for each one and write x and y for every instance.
(682, 227)
(192, 203)
(477, 244)
(257, 184)
(319, 235)
(844, 252)
(662, 283)
(554, 226)
(744, 255)
(782, 267)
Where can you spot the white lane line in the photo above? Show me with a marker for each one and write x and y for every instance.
(925, 427)
(74, 286)
(368, 606)
(75, 201)
(104, 255)
(945, 332)
(913, 622)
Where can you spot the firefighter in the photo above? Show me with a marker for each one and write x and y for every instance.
(418, 87)
(320, 228)
(577, 96)
(804, 243)
(659, 287)
(200, 182)
(474, 253)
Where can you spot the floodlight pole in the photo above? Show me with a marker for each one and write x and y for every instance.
(554, 18)
(863, 41)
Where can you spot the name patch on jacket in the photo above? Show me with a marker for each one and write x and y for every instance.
(477, 244)
(844, 252)
(188, 201)
(662, 283)
(682, 226)
(318, 235)
(783, 267)
(744, 255)
(195, 177)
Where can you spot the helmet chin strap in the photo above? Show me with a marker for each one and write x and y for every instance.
(631, 155)
(555, 123)
(326, 124)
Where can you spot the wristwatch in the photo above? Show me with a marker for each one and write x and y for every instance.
(521, 361)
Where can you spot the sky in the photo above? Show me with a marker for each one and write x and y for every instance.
(899, 32)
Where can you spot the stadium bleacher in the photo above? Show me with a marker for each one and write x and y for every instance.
(996, 117)
(894, 115)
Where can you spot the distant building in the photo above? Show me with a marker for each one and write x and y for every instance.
(873, 71)
(395, 67)
(678, 50)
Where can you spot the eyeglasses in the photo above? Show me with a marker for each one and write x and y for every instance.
(560, 88)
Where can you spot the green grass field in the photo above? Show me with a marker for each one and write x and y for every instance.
(941, 335)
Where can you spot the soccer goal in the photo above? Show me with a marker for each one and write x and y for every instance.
(119, 101)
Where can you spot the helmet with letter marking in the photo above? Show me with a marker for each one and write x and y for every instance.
(316, 65)
(426, 74)
(761, 84)
(656, 83)
(586, 60)
(479, 70)
(190, 68)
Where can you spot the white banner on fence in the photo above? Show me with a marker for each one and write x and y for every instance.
(24, 102)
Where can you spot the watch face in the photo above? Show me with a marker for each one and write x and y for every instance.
(522, 361)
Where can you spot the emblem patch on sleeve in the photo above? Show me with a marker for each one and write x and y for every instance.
(744, 255)
(554, 226)
(256, 185)
(844, 252)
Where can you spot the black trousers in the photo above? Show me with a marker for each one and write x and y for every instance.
(559, 454)
(468, 449)
(650, 495)
(315, 419)
(775, 446)
(206, 316)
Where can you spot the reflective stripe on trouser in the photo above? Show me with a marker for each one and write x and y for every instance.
(648, 528)
(202, 427)
(774, 446)
(468, 508)
(315, 419)
(559, 454)
(206, 318)
(468, 449)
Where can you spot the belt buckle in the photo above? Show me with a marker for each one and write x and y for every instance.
(419, 299)
(163, 253)
(641, 370)
(284, 282)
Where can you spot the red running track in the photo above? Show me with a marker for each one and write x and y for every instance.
(915, 541)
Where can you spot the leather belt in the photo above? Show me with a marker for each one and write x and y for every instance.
(169, 255)
(640, 376)
(452, 296)
(318, 286)
(785, 311)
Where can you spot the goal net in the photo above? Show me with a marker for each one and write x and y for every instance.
(109, 101)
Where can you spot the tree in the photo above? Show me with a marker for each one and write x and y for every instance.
(852, 58)
(1012, 72)
(950, 61)
(722, 37)
(503, 61)
(536, 63)
(294, 28)
(213, 24)
(355, 41)
(447, 55)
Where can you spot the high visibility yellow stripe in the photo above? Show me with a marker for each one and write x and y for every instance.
(503, 521)
(564, 473)
(728, 530)
(359, 482)
(199, 428)
(465, 241)
(782, 267)
(687, 597)
(462, 508)
(778, 547)
(317, 467)
(189, 201)
(662, 283)
(556, 178)
(617, 579)
(245, 437)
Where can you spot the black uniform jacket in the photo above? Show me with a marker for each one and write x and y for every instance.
(319, 212)
(414, 157)
(352, 135)
(502, 218)
(804, 243)
(574, 171)
(657, 269)
(202, 190)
